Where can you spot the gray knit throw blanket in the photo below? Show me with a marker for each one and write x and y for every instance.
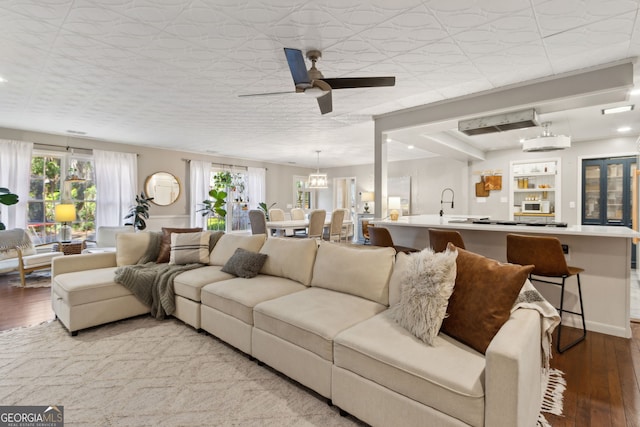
(152, 283)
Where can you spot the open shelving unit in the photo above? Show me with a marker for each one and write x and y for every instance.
(535, 181)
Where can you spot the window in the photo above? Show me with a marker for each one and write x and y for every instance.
(237, 201)
(57, 177)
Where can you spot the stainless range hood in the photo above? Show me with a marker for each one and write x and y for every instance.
(499, 122)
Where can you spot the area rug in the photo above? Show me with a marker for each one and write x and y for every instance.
(144, 372)
(37, 279)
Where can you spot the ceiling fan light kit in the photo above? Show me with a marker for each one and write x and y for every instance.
(547, 141)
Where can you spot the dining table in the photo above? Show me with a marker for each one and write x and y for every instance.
(281, 227)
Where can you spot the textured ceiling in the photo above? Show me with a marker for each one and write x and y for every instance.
(167, 73)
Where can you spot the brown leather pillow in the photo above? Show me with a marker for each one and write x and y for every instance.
(482, 298)
(165, 245)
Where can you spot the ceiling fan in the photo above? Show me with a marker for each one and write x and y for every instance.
(312, 82)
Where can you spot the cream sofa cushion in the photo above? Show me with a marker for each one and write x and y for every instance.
(237, 297)
(312, 318)
(189, 284)
(290, 258)
(130, 247)
(364, 273)
(83, 287)
(448, 376)
(227, 245)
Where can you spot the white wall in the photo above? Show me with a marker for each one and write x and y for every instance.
(428, 178)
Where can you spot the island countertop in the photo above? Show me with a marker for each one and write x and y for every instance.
(459, 222)
(603, 251)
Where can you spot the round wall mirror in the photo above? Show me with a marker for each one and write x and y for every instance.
(163, 187)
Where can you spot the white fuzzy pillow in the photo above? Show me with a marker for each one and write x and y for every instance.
(427, 284)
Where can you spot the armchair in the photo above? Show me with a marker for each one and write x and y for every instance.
(17, 252)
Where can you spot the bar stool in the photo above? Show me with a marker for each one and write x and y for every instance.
(438, 239)
(380, 236)
(545, 253)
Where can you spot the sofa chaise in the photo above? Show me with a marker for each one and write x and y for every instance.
(320, 315)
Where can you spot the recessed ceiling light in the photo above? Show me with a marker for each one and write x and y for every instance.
(76, 132)
(2, 80)
(410, 147)
(624, 129)
(615, 110)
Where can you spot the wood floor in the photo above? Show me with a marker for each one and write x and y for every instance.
(602, 373)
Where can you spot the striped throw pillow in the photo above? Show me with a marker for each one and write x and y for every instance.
(189, 248)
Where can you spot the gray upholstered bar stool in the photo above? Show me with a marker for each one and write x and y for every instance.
(438, 239)
(545, 253)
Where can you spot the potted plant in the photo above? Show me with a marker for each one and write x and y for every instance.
(7, 198)
(139, 212)
(264, 208)
(215, 206)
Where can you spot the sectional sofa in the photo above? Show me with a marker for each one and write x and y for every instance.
(319, 314)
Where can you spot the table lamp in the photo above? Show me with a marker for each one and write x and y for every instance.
(394, 206)
(65, 213)
(366, 197)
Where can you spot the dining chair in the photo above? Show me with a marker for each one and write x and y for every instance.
(334, 233)
(438, 239)
(316, 223)
(298, 214)
(546, 254)
(380, 236)
(258, 222)
(276, 214)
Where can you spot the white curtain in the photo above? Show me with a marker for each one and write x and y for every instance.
(116, 185)
(256, 186)
(199, 186)
(15, 174)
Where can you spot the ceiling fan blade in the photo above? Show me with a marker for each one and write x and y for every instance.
(266, 94)
(325, 102)
(297, 67)
(356, 82)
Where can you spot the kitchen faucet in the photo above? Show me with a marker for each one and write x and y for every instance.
(442, 200)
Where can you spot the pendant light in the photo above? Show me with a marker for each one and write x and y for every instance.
(317, 180)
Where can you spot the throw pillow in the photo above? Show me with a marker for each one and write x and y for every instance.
(165, 245)
(482, 298)
(426, 287)
(244, 263)
(189, 248)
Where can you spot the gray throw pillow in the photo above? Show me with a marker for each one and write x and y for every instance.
(244, 263)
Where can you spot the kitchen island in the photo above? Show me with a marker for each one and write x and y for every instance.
(603, 251)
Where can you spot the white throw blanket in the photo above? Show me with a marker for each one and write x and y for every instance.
(553, 382)
(530, 298)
